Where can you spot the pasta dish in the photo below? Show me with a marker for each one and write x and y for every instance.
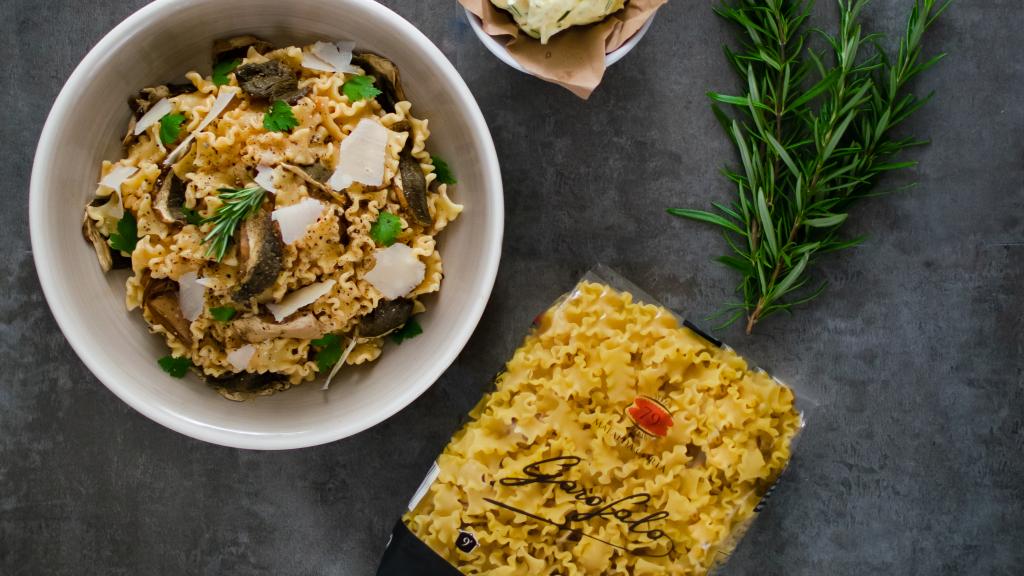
(278, 217)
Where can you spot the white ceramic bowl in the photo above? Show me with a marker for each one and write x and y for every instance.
(499, 50)
(159, 43)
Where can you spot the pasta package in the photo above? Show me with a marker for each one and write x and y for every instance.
(617, 440)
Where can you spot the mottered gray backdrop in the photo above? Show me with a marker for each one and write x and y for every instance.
(912, 464)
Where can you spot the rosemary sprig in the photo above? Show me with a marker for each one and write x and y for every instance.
(238, 205)
(812, 138)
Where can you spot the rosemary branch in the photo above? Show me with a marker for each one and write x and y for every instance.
(808, 148)
(238, 205)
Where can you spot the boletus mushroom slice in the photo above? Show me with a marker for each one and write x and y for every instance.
(261, 255)
(389, 315)
(385, 76)
(316, 176)
(160, 299)
(270, 80)
(238, 47)
(170, 198)
(108, 259)
(241, 385)
(255, 329)
(414, 184)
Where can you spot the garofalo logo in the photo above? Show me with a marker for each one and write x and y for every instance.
(644, 538)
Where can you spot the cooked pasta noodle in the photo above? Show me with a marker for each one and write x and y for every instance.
(337, 247)
(615, 442)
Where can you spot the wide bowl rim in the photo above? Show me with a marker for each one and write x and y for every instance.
(486, 270)
(501, 52)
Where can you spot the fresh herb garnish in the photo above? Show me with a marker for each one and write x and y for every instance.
(443, 172)
(222, 69)
(808, 147)
(359, 88)
(170, 128)
(192, 216)
(329, 351)
(127, 235)
(175, 366)
(280, 117)
(223, 313)
(411, 329)
(238, 205)
(386, 229)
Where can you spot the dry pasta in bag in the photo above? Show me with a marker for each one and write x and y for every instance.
(616, 441)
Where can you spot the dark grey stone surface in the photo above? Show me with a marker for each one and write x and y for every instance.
(913, 463)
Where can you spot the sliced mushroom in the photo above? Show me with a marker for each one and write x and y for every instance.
(414, 184)
(99, 243)
(170, 198)
(255, 329)
(386, 78)
(243, 385)
(108, 259)
(160, 299)
(261, 254)
(270, 80)
(143, 99)
(315, 175)
(238, 47)
(389, 315)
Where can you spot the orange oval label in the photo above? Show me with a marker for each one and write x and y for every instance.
(650, 416)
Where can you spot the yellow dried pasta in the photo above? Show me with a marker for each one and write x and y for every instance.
(615, 442)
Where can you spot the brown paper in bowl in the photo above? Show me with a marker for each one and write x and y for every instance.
(573, 58)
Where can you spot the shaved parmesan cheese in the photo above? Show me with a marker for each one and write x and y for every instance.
(294, 220)
(191, 296)
(291, 303)
(153, 115)
(240, 357)
(339, 181)
(265, 178)
(313, 63)
(331, 57)
(117, 176)
(206, 282)
(361, 156)
(397, 272)
(341, 361)
(222, 101)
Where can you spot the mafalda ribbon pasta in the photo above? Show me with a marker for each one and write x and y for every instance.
(616, 441)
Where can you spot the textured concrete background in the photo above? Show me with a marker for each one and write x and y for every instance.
(914, 463)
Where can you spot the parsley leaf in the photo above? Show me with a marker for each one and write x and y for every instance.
(222, 69)
(192, 216)
(329, 353)
(444, 173)
(223, 313)
(176, 367)
(386, 229)
(359, 88)
(127, 235)
(279, 118)
(170, 128)
(411, 329)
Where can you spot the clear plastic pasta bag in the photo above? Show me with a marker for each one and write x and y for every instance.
(619, 439)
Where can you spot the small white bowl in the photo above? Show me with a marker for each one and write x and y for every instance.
(161, 42)
(499, 50)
